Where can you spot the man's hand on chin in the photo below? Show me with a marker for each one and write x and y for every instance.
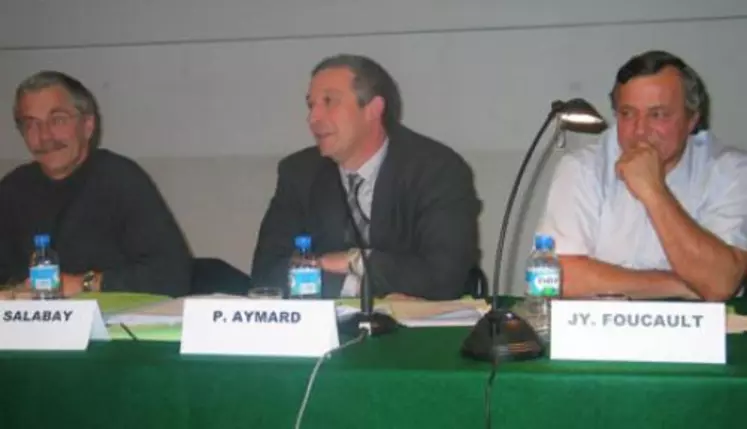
(641, 169)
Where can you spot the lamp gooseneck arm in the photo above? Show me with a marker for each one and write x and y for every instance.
(510, 204)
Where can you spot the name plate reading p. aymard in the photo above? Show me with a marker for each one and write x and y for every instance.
(638, 331)
(259, 327)
(50, 325)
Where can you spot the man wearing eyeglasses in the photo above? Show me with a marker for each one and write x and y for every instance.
(106, 218)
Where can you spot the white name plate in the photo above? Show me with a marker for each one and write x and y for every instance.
(638, 331)
(50, 325)
(259, 327)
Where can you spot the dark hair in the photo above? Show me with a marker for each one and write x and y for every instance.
(652, 62)
(371, 80)
(83, 100)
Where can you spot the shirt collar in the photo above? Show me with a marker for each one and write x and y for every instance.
(370, 169)
(684, 168)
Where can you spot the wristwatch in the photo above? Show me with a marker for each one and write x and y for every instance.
(88, 278)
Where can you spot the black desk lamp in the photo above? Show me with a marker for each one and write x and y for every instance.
(501, 333)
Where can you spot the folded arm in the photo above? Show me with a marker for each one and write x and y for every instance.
(571, 217)
(584, 276)
(704, 261)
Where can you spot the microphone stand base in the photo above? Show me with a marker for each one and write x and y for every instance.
(376, 324)
(502, 335)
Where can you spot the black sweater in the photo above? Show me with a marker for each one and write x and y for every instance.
(108, 216)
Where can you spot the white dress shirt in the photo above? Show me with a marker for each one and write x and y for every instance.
(369, 171)
(589, 211)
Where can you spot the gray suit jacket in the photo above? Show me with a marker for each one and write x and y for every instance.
(423, 232)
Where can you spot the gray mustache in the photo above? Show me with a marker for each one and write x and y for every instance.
(49, 146)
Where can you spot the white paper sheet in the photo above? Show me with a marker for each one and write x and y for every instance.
(162, 313)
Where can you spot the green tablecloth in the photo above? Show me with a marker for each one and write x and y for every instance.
(413, 379)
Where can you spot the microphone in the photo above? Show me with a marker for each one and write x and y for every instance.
(501, 334)
(367, 320)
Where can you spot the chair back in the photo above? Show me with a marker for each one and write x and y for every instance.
(214, 275)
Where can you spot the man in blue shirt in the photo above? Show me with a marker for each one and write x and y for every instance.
(657, 207)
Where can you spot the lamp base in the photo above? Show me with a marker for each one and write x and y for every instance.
(380, 324)
(502, 335)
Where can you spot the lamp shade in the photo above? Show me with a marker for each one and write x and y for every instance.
(578, 115)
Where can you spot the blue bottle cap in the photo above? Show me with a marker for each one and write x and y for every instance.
(41, 240)
(303, 242)
(543, 242)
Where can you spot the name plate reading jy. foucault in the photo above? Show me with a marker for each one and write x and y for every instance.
(259, 327)
(50, 325)
(639, 331)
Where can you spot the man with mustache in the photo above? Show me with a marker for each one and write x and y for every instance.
(657, 207)
(412, 198)
(107, 220)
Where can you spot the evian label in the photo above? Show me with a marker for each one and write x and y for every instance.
(45, 277)
(543, 281)
(305, 281)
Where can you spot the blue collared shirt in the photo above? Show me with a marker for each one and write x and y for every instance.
(589, 211)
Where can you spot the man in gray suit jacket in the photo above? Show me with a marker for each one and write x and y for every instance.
(412, 199)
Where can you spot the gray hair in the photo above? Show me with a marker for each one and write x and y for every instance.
(652, 62)
(370, 80)
(83, 100)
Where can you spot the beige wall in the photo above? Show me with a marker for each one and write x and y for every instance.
(208, 94)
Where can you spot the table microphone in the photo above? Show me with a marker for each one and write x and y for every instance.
(372, 322)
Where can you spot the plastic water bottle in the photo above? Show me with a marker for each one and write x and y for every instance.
(543, 278)
(44, 270)
(304, 275)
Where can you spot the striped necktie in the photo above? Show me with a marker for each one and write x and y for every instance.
(361, 220)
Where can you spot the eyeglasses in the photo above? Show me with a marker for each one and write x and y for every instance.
(54, 122)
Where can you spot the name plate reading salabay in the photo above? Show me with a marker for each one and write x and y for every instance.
(50, 325)
(259, 327)
(638, 331)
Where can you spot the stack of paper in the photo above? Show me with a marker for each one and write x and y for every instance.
(463, 312)
(736, 323)
(167, 312)
(419, 313)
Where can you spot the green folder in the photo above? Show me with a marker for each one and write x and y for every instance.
(118, 302)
